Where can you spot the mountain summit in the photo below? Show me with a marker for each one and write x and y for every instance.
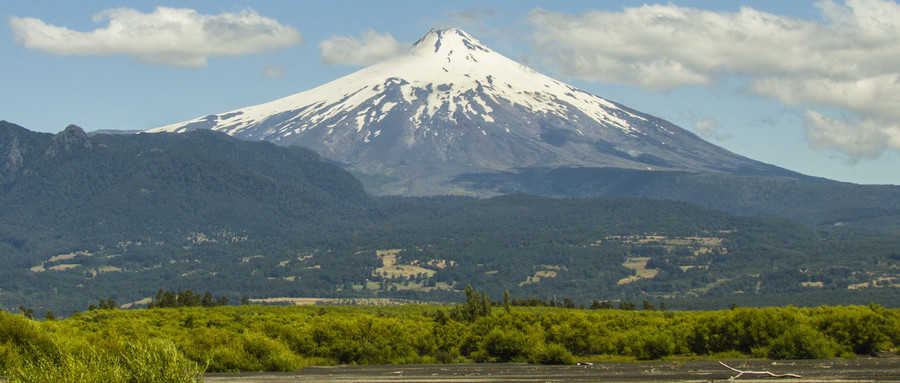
(452, 106)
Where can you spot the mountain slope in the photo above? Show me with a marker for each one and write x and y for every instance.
(77, 188)
(814, 201)
(123, 215)
(453, 106)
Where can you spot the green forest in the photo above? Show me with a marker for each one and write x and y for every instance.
(121, 216)
(179, 344)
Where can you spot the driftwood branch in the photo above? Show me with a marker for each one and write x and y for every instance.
(770, 374)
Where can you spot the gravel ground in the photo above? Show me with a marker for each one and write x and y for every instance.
(840, 370)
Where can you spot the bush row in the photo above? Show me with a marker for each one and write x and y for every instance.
(260, 338)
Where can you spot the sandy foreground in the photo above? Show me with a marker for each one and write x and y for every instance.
(840, 370)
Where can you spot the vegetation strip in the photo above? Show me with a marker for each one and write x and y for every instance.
(177, 344)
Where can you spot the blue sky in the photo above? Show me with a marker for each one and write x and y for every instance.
(806, 85)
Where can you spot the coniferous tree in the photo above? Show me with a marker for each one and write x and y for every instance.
(186, 298)
(506, 300)
(168, 300)
(157, 300)
(208, 300)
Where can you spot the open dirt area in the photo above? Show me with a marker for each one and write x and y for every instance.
(840, 370)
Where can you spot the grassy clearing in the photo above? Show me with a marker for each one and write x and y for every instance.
(390, 269)
(639, 265)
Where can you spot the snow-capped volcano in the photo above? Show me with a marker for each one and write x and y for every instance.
(452, 106)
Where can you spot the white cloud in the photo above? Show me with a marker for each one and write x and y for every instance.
(709, 127)
(273, 71)
(472, 17)
(372, 48)
(858, 139)
(870, 96)
(170, 36)
(848, 61)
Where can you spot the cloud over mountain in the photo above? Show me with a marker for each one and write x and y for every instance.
(169, 36)
(848, 61)
(373, 47)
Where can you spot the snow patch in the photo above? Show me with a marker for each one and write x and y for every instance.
(457, 75)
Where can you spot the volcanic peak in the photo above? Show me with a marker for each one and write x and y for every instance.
(451, 105)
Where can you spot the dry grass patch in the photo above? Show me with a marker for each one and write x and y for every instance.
(857, 286)
(306, 301)
(72, 255)
(294, 301)
(402, 271)
(440, 263)
(391, 270)
(639, 265)
(139, 302)
(717, 283)
(545, 272)
(703, 245)
(420, 286)
(61, 257)
(104, 269)
(64, 266)
(248, 259)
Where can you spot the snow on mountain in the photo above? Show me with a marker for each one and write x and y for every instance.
(452, 106)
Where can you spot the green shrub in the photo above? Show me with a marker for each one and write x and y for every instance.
(271, 354)
(23, 335)
(290, 338)
(865, 330)
(655, 346)
(8, 357)
(552, 353)
(230, 358)
(803, 342)
(504, 345)
(139, 362)
(443, 356)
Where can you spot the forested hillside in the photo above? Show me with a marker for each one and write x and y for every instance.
(810, 200)
(121, 216)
